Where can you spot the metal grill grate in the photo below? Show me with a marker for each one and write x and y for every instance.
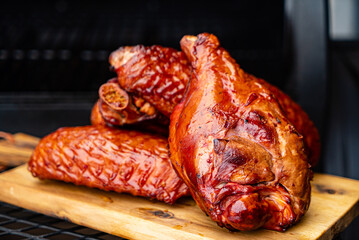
(64, 45)
(19, 223)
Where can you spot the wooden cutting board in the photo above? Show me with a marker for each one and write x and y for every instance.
(334, 205)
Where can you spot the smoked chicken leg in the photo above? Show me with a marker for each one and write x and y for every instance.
(232, 143)
(109, 159)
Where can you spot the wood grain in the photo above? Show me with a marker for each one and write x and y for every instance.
(16, 149)
(334, 205)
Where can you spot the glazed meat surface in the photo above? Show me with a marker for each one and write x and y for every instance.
(157, 74)
(234, 146)
(161, 74)
(109, 159)
(300, 120)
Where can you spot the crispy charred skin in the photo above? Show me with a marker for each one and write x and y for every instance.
(158, 75)
(233, 145)
(109, 159)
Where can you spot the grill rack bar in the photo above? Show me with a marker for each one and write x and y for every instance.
(19, 223)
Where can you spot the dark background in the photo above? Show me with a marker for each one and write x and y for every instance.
(54, 56)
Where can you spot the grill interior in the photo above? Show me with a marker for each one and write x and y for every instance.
(64, 45)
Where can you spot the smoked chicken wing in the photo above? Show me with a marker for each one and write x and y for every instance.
(157, 74)
(232, 143)
(109, 159)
